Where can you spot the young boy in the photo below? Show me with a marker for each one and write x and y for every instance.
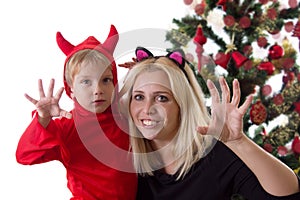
(88, 140)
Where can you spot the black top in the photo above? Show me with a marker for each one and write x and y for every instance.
(220, 175)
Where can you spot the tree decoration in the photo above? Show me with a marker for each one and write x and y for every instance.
(250, 40)
(296, 144)
(266, 66)
(275, 52)
(258, 113)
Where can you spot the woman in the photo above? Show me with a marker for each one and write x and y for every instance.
(181, 152)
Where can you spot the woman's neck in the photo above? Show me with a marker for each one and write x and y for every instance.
(166, 153)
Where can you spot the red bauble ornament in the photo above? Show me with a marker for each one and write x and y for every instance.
(266, 66)
(199, 36)
(262, 42)
(258, 113)
(282, 150)
(266, 90)
(275, 51)
(278, 99)
(268, 147)
(263, 1)
(288, 77)
(245, 22)
(188, 2)
(238, 58)
(272, 13)
(289, 26)
(229, 20)
(293, 3)
(222, 59)
(200, 8)
(288, 63)
(296, 145)
(297, 107)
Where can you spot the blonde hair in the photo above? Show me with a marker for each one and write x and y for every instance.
(85, 56)
(189, 144)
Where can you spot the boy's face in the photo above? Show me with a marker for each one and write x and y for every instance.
(93, 87)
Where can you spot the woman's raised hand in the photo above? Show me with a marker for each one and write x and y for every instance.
(226, 114)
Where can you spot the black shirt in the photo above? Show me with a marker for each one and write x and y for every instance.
(220, 175)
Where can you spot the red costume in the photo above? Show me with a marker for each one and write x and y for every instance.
(93, 147)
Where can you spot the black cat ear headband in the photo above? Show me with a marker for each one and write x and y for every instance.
(176, 56)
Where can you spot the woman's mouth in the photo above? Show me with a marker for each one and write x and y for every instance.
(148, 122)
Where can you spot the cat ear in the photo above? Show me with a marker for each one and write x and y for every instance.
(142, 53)
(178, 56)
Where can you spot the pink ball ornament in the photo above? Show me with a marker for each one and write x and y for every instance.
(188, 2)
(293, 3)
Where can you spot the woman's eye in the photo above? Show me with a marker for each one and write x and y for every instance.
(162, 98)
(138, 97)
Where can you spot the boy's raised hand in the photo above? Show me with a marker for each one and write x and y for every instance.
(48, 105)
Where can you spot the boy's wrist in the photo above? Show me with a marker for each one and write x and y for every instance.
(44, 121)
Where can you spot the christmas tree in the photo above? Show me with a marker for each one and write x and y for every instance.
(250, 40)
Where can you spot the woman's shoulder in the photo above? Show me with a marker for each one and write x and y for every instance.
(219, 155)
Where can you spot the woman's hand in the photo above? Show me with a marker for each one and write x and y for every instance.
(227, 117)
(48, 105)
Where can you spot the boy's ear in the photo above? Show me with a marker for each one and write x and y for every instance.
(142, 53)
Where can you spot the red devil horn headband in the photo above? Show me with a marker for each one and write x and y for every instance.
(109, 44)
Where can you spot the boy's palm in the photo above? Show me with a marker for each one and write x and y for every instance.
(48, 106)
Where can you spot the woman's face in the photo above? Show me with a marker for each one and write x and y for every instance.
(153, 108)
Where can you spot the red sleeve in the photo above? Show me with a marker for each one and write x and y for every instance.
(39, 144)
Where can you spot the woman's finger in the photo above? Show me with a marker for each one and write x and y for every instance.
(225, 90)
(244, 107)
(236, 92)
(213, 92)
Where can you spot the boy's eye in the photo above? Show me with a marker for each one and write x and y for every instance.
(107, 80)
(86, 81)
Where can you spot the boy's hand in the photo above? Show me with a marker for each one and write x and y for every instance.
(48, 105)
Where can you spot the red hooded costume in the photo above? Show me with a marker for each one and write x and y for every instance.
(92, 147)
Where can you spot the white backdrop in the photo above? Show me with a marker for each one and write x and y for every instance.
(29, 51)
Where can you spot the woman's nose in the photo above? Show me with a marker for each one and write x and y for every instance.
(149, 107)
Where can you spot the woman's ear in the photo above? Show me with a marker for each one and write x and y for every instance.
(142, 53)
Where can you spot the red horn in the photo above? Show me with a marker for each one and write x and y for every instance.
(112, 39)
(63, 44)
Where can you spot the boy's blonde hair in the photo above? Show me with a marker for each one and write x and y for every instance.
(189, 145)
(86, 56)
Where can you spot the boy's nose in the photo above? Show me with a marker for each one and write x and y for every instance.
(98, 90)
